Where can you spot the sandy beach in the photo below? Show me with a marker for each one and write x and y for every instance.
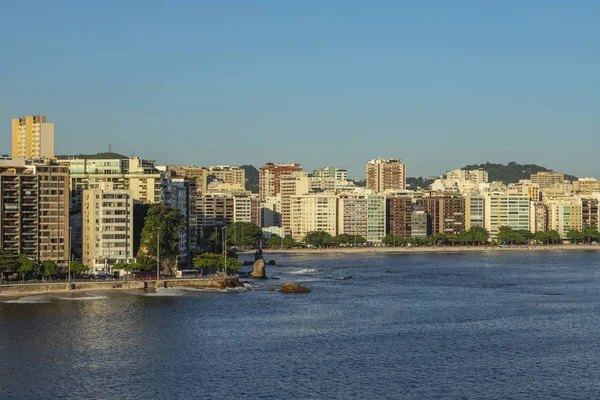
(433, 249)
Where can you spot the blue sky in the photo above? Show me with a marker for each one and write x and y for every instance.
(439, 84)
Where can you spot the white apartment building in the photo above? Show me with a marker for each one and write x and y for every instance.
(376, 216)
(474, 211)
(313, 212)
(475, 176)
(352, 215)
(294, 184)
(338, 174)
(229, 174)
(107, 228)
(271, 212)
(506, 209)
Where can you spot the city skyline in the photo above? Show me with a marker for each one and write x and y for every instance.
(437, 85)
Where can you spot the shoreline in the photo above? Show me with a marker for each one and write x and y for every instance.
(432, 249)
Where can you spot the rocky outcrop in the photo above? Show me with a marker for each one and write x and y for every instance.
(259, 271)
(293, 287)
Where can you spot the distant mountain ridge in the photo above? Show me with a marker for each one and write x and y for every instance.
(512, 172)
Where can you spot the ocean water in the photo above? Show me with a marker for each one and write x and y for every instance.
(522, 325)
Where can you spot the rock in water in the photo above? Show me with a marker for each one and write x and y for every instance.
(259, 270)
(293, 287)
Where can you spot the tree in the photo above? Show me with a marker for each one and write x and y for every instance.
(168, 220)
(215, 261)
(506, 235)
(388, 240)
(243, 234)
(575, 235)
(8, 262)
(274, 241)
(590, 233)
(318, 238)
(140, 211)
(540, 237)
(553, 236)
(478, 235)
(50, 268)
(78, 268)
(349, 239)
(144, 263)
(26, 266)
(438, 239)
(125, 267)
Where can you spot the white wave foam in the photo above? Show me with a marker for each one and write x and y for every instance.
(165, 292)
(84, 298)
(29, 300)
(304, 271)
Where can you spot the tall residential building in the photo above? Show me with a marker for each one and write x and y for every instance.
(32, 137)
(386, 175)
(180, 193)
(270, 175)
(232, 175)
(585, 186)
(419, 222)
(34, 211)
(338, 174)
(446, 214)
(547, 179)
(199, 174)
(107, 227)
(376, 212)
(271, 212)
(313, 212)
(475, 176)
(589, 212)
(399, 213)
(294, 184)
(352, 215)
(474, 211)
(506, 210)
(215, 209)
(539, 217)
(565, 215)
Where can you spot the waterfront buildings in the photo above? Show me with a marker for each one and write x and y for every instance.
(34, 211)
(107, 227)
(313, 212)
(270, 175)
(539, 217)
(181, 193)
(293, 184)
(474, 211)
(386, 175)
(376, 216)
(446, 213)
(399, 216)
(565, 215)
(228, 174)
(32, 138)
(352, 215)
(338, 174)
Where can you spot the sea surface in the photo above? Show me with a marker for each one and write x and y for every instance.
(522, 325)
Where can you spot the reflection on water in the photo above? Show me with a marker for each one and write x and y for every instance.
(509, 325)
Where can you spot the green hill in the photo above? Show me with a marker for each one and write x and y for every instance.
(251, 178)
(511, 172)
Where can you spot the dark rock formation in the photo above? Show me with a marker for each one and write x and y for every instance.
(259, 271)
(293, 287)
(272, 262)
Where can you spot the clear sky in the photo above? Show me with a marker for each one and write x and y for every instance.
(439, 84)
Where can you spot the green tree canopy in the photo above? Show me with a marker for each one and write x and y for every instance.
(318, 238)
(215, 261)
(349, 239)
(8, 262)
(144, 263)
(553, 237)
(243, 234)
(78, 268)
(575, 235)
(590, 233)
(169, 220)
(27, 266)
(507, 235)
(540, 237)
(50, 268)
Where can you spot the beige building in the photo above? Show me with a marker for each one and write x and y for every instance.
(352, 215)
(386, 175)
(547, 179)
(476, 176)
(34, 211)
(313, 212)
(565, 215)
(32, 137)
(229, 174)
(294, 184)
(585, 186)
(107, 228)
(539, 217)
(200, 174)
(474, 211)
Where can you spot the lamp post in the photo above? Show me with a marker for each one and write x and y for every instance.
(157, 256)
(69, 265)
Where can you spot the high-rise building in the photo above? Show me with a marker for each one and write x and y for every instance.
(386, 175)
(271, 212)
(338, 174)
(510, 210)
(34, 211)
(32, 137)
(294, 184)
(539, 217)
(446, 214)
(419, 222)
(565, 215)
(474, 211)
(107, 227)
(375, 218)
(270, 175)
(589, 212)
(313, 212)
(547, 179)
(352, 215)
(475, 176)
(399, 213)
(199, 174)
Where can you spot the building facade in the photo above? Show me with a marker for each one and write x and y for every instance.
(399, 216)
(107, 228)
(352, 215)
(547, 179)
(386, 175)
(446, 214)
(270, 175)
(565, 215)
(32, 138)
(506, 210)
(313, 212)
